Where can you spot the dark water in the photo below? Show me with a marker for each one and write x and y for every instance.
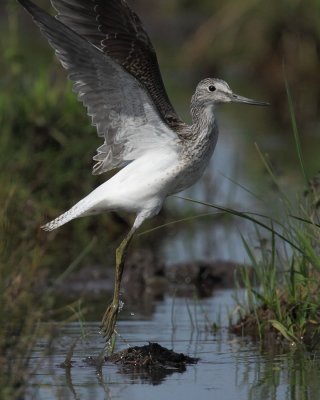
(229, 367)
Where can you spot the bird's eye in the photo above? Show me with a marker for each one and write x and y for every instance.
(212, 88)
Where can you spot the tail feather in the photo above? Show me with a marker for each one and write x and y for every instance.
(76, 211)
(61, 220)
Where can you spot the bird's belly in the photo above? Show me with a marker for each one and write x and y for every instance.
(146, 182)
(143, 184)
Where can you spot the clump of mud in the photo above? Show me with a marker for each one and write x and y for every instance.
(151, 356)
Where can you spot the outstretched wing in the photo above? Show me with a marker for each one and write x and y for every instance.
(119, 105)
(113, 27)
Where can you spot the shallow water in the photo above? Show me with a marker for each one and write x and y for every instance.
(229, 367)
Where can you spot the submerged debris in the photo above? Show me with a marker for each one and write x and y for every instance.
(151, 356)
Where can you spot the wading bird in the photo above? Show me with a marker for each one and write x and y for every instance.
(115, 73)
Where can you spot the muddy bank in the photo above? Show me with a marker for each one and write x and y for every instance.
(144, 273)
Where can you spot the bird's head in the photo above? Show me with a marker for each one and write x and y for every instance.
(213, 91)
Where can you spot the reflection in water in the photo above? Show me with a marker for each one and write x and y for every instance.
(149, 376)
(230, 367)
(291, 375)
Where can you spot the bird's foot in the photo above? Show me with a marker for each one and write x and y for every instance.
(109, 320)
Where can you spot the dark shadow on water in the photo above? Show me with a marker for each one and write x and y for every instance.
(150, 376)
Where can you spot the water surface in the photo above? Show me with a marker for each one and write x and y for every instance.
(229, 367)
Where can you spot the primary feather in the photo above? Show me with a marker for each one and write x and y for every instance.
(120, 106)
(113, 27)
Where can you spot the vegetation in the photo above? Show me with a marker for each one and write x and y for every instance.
(23, 306)
(283, 295)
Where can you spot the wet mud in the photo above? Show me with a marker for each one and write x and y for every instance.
(151, 362)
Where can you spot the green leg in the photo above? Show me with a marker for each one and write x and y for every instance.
(110, 316)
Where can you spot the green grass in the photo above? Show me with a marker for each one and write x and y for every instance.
(23, 305)
(281, 283)
(281, 291)
(282, 297)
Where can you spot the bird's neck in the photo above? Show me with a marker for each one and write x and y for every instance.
(204, 122)
(202, 137)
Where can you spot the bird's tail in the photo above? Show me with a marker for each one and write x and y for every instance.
(78, 210)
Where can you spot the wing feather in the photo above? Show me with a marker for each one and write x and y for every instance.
(119, 106)
(116, 29)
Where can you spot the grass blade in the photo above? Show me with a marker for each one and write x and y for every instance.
(294, 126)
(284, 331)
(248, 217)
(176, 221)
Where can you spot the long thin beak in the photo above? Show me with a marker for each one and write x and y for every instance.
(240, 99)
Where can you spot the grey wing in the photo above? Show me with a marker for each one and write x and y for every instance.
(118, 104)
(116, 29)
